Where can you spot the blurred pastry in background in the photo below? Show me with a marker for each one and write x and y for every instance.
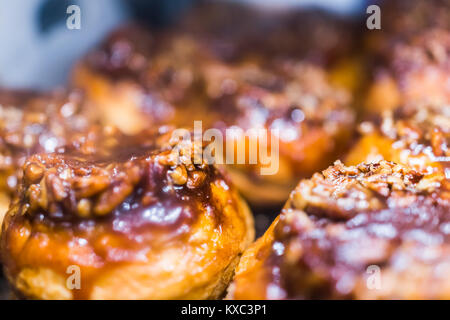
(30, 123)
(407, 108)
(410, 55)
(407, 119)
(310, 120)
(417, 136)
(136, 215)
(136, 78)
(260, 73)
(371, 231)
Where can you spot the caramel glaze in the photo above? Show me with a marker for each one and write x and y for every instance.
(102, 207)
(184, 75)
(345, 219)
(32, 122)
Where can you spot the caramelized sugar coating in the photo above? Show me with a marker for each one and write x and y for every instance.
(33, 122)
(417, 136)
(227, 79)
(346, 226)
(138, 221)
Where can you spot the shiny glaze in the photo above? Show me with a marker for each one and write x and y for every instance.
(380, 214)
(243, 87)
(32, 122)
(148, 207)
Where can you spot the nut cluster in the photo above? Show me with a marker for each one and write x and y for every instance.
(338, 223)
(94, 182)
(32, 123)
(342, 192)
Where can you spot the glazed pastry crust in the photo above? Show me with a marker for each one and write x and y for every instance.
(341, 222)
(181, 77)
(137, 223)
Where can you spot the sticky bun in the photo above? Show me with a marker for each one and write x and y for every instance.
(140, 78)
(378, 230)
(310, 120)
(32, 122)
(134, 218)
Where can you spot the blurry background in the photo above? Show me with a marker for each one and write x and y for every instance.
(37, 49)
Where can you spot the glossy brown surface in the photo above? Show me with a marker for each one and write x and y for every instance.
(341, 225)
(232, 76)
(32, 122)
(113, 204)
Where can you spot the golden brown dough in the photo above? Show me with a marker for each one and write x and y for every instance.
(344, 224)
(139, 220)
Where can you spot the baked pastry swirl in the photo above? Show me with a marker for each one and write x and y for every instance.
(32, 122)
(137, 219)
(378, 230)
